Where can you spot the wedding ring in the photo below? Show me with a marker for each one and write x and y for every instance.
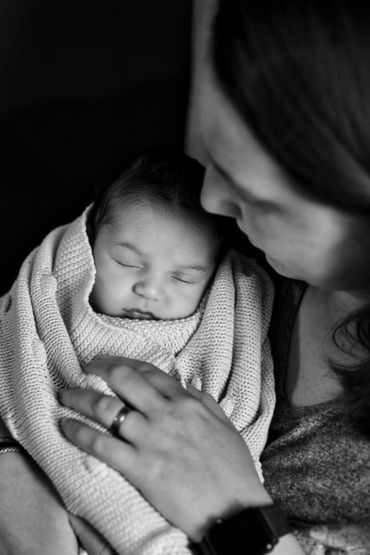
(119, 420)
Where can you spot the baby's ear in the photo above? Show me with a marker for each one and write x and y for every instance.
(90, 232)
(90, 227)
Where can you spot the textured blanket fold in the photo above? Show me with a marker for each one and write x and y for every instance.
(48, 331)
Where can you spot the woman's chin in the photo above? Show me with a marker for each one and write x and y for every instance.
(281, 269)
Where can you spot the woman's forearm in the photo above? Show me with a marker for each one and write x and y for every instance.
(32, 516)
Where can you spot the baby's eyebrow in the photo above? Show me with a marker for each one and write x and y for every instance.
(193, 267)
(127, 245)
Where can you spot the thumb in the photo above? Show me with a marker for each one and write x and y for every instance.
(90, 539)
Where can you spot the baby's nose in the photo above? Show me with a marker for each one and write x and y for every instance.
(150, 288)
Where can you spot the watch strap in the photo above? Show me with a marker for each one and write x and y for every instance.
(255, 531)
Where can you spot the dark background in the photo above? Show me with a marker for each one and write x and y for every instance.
(82, 84)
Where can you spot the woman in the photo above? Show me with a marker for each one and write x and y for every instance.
(286, 121)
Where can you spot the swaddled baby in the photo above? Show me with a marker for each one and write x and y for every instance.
(155, 248)
(142, 273)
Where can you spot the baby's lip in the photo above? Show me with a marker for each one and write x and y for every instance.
(138, 314)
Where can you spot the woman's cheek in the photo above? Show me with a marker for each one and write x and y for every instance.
(254, 229)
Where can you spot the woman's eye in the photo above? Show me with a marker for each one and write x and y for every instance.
(260, 206)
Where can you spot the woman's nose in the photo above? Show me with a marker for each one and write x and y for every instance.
(215, 196)
(148, 287)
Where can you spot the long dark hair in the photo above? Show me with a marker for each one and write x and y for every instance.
(298, 74)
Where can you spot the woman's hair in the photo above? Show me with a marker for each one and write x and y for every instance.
(298, 74)
(162, 179)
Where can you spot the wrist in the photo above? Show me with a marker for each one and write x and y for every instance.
(255, 530)
(255, 497)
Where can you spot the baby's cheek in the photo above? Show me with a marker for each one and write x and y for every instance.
(95, 297)
(194, 296)
(102, 293)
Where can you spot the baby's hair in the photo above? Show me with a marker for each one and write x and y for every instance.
(173, 180)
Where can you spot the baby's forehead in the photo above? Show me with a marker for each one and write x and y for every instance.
(156, 212)
(147, 229)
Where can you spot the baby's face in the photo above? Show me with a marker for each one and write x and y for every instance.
(154, 262)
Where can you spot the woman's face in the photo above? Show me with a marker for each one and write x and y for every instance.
(301, 238)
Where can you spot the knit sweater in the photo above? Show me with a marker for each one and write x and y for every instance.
(316, 464)
(49, 331)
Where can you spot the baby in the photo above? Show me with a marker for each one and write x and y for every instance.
(142, 273)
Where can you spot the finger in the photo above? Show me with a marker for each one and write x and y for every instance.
(108, 362)
(96, 406)
(117, 453)
(161, 382)
(209, 402)
(104, 410)
(89, 538)
(136, 383)
(167, 385)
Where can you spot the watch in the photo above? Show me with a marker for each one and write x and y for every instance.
(253, 531)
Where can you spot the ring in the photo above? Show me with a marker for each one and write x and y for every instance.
(118, 420)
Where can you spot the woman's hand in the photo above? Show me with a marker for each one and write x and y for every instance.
(175, 445)
(90, 539)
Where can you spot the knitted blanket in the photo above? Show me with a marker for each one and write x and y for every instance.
(48, 331)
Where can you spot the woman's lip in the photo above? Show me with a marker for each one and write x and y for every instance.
(138, 314)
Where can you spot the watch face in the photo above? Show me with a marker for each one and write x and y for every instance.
(246, 533)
